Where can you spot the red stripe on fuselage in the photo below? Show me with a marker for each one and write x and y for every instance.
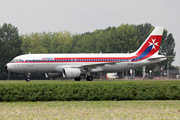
(90, 58)
(94, 59)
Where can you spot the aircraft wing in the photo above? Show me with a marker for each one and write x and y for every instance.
(87, 67)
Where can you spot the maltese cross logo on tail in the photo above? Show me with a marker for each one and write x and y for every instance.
(150, 46)
(154, 43)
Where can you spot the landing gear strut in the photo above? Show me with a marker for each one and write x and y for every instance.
(28, 77)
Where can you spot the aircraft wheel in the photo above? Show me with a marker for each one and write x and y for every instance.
(89, 78)
(28, 77)
(28, 80)
(77, 79)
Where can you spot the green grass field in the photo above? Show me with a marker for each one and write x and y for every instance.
(167, 109)
(91, 110)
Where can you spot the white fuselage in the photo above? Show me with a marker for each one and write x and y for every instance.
(54, 63)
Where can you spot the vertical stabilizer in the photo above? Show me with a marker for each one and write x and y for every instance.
(151, 45)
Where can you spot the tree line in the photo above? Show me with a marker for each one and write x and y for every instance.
(125, 38)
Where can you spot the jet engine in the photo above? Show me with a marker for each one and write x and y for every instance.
(53, 75)
(71, 72)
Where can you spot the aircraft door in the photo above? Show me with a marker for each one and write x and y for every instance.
(33, 64)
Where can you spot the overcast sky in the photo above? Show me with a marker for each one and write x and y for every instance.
(79, 16)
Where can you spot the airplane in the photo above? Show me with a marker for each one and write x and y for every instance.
(74, 65)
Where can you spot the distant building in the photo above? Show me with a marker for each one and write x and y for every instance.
(173, 74)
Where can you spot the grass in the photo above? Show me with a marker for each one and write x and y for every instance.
(90, 82)
(91, 110)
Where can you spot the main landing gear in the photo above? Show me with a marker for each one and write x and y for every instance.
(88, 78)
(77, 79)
(28, 77)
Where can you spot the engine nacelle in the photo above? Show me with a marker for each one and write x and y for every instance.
(53, 75)
(71, 72)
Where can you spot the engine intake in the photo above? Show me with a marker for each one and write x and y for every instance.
(71, 72)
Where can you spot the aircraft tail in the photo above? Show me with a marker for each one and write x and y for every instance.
(150, 46)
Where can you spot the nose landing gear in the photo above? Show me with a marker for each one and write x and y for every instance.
(28, 77)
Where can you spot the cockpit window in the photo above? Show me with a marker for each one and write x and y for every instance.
(16, 60)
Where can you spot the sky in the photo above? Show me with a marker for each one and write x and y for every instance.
(79, 16)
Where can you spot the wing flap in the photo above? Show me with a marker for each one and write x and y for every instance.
(99, 64)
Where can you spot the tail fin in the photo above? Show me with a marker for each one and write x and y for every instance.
(151, 45)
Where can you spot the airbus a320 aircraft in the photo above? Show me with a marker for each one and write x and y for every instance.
(74, 65)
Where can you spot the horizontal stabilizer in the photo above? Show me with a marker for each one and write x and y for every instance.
(157, 58)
